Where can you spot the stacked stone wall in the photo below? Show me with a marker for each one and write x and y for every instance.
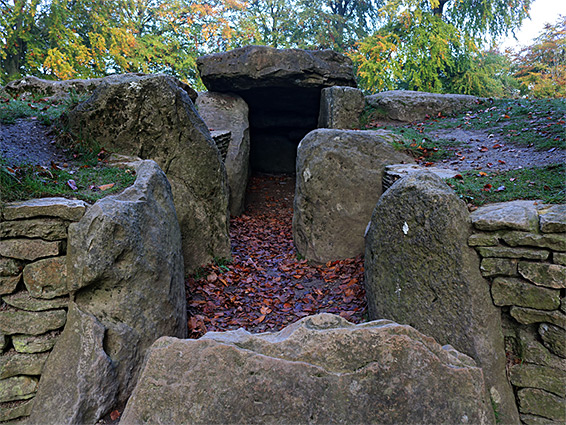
(522, 245)
(33, 293)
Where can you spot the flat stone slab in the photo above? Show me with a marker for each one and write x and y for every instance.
(513, 291)
(67, 209)
(44, 228)
(10, 266)
(31, 323)
(541, 403)
(553, 218)
(554, 241)
(17, 388)
(542, 377)
(35, 344)
(29, 249)
(507, 252)
(515, 215)
(47, 278)
(544, 274)
(24, 301)
(13, 364)
(398, 171)
(8, 284)
(528, 316)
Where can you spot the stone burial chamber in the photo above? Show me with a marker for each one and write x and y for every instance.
(282, 89)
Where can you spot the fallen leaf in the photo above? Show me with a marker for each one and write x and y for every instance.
(72, 184)
(500, 189)
(106, 186)
(212, 277)
(114, 415)
(501, 161)
(482, 174)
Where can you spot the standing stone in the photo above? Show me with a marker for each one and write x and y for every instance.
(230, 112)
(152, 117)
(320, 370)
(339, 176)
(341, 107)
(420, 271)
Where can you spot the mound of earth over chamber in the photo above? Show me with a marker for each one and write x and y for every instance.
(283, 90)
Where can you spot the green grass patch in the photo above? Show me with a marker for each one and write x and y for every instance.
(86, 183)
(420, 146)
(547, 184)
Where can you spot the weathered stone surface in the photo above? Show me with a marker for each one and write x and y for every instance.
(4, 340)
(506, 252)
(294, 78)
(408, 106)
(512, 291)
(340, 107)
(10, 266)
(514, 215)
(24, 301)
(321, 369)
(47, 278)
(128, 247)
(79, 379)
(228, 111)
(532, 351)
(499, 267)
(544, 274)
(535, 376)
(35, 344)
(420, 271)
(17, 411)
(262, 66)
(541, 403)
(29, 249)
(338, 182)
(527, 316)
(554, 241)
(559, 258)
(21, 364)
(537, 420)
(152, 118)
(31, 323)
(17, 388)
(553, 218)
(554, 338)
(8, 284)
(66, 209)
(44, 228)
(398, 171)
(483, 239)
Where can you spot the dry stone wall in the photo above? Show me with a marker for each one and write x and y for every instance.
(33, 289)
(522, 245)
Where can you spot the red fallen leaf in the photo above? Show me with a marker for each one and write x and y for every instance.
(506, 116)
(265, 310)
(72, 184)
(501, 161)
(496, 146)
(212, 277)
(459, 177)
(114, 415)
(489, 164)
(429, 164)
(487, 187)
(483, 149)
(482, 174)
(260, 319)
(106, 186)
(462, 158)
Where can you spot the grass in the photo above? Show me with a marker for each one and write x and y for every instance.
(547, 184)
(421, 147)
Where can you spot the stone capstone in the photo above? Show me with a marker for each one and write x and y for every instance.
(282, 89)
(151, 117)
(338, 182)
(47, 278)
(512, 291)
(544, 274)
(21, 364)
(408, 106)
(420, 271)
(31, 323)
(222, 111)
(66, 209)
(29, 249)
(44, 228)
(340, 107)
(514, 215)
(398, 171)
(319, 370)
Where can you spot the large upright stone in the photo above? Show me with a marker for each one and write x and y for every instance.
(282, 89)
(151, 117)
(320, 370)
(230, 112)
(420, 271)
(339, 175)
(125, 266)
(341, 107)
(406, 105)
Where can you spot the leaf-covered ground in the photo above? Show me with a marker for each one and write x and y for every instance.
(266, 286)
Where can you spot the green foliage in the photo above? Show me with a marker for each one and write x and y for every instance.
(546, 184)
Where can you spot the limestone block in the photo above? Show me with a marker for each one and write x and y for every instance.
(29, 249)
(554, 337)
(17, 388)
(13, 364)
(16, 411)
(559, 258)
(43, 228)
(8, 284)
(515, 215)
(538, 420)
(34, 344)
(554, 241)
(4, 340)
(541, 403)
(47, 278)
(498, 267)
(10, 266)
(506, 252)
(341, 107)
(66, 209)
(31, 323)
(528, 316)
(512, 291)
(541, 377)
(544, 274)
(319, 370)
(532, 351)
(483, 239)
(23, 301)
(553, 218)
